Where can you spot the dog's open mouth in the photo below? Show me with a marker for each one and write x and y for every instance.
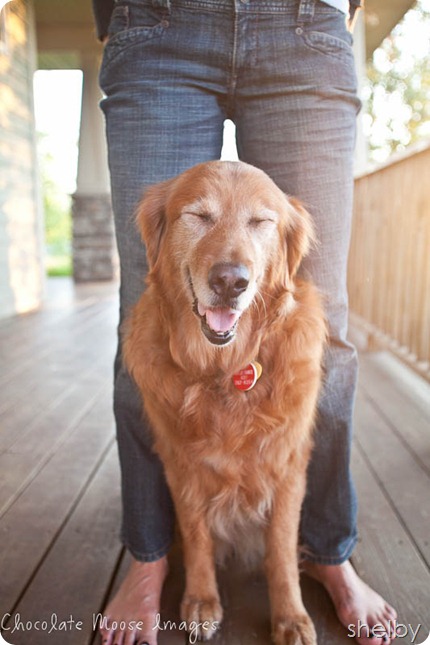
(218, 324)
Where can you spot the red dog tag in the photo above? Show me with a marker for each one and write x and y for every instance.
(247, 377)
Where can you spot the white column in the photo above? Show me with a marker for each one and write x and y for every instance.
(94, 254)
(93, 176)
(361, 149)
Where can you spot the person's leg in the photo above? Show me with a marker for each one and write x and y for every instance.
(295, 108)
(162, 116)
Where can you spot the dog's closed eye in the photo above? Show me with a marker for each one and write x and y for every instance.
(256, 222)
(203, 216)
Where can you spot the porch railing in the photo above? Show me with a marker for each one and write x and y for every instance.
(389, 266)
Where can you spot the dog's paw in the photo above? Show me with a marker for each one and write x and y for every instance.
(202, 616)
(296, 631)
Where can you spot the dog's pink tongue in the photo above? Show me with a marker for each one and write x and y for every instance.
(221, 320)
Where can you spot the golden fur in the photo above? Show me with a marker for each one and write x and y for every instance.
(235, 461)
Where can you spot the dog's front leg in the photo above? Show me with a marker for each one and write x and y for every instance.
(200, 607)
(291, 624)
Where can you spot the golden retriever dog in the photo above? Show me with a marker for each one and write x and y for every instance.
(225, 346)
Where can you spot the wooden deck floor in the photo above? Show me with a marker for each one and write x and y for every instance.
(60, 557)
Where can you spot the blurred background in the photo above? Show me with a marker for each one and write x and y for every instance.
(55, 214)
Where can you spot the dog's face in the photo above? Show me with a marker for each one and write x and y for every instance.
(230, 236)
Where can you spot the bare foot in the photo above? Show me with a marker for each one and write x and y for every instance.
(131, 617)
(359, 608)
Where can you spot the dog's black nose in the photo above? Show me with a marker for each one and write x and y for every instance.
(228, 280)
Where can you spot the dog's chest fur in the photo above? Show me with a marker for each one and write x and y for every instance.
(231, 452)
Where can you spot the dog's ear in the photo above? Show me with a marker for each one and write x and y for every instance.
(151, 218)
(299, 235)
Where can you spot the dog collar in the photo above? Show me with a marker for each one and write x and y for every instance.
(247, 377)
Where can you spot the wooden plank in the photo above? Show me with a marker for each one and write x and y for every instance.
(32, 336)
(402, 398)
(246, 606)
(386, 556)
(389, 264)
(418, 335)
(32, 523)
(24, 338)
(43, 387)
(23, 462)
(50, 380)
(54, 400)
(74, 575)
(402, 478)
(64, 353)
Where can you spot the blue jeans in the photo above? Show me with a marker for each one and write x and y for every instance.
(282, 70)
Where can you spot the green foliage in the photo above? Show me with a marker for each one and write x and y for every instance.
(397, 95)
(59, 265)
(58, 222)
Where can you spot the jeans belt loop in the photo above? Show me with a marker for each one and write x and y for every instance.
(306, 11)
(161, 4)
(354, 6)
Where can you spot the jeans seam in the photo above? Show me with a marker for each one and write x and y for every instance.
(308, 555)
(148, 557)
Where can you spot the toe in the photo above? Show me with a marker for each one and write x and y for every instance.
(390, 612)
(131, 638)
(106, 637)
(118, 638)
(370, 640)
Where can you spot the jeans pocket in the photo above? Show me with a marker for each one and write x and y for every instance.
(132, 23)
(328, 33)
(327, 43)
(119, 21)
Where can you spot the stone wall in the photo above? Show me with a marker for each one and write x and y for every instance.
(21, 222)
(94, 251)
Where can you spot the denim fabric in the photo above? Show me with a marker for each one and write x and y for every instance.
(283, 71)
(102, 10)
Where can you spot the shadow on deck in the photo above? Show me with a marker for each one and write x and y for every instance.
(59, 489)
